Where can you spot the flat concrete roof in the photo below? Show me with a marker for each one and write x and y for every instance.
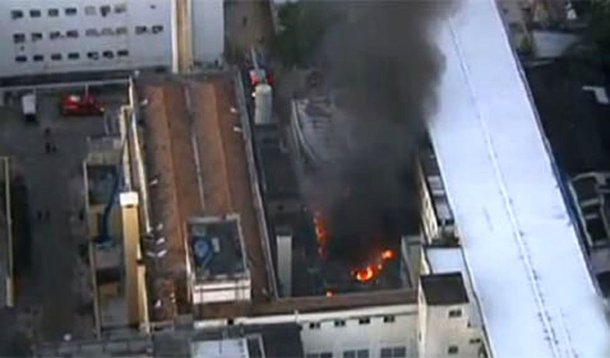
(197, 167)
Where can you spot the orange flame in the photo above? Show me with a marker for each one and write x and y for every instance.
(371, 271)
(321, 233)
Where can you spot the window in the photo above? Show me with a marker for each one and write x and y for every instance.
(21, 59)
(107, 31)
(319, 355)
(36, 36)
(53, 35)
(394, 352)
(16, 14)
(361, 353)
(70, 11)
(91, 32)
(72, 33)
(314, 325)
(389, 319)
(73, 56)
(339, 323)
(18, 38)
(90, 10)
(56, 57)
(53, 12)
(475, 340)
(38, 58)
(104, 10)
(122, 53)
(157, 29)
(35, 13)
(120, 30)
(93, 55)
(452, 350)
(364, 320)
(455, 313)
(108, 54)
(120, 8)
(141, 30)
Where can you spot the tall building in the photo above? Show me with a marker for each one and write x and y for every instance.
(60, 36)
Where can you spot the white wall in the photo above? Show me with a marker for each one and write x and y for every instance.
(145, 50)
(208, 30)
(222, 291)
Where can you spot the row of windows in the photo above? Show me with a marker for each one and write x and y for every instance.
(362, 321)
(92, 55)
(104, 10)
(388, 352)
(106, 31)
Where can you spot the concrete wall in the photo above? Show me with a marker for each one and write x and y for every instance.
(208, 31)
(222, 291)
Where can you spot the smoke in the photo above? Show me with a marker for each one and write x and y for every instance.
(380, 58)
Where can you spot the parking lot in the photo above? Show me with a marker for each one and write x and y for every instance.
(53, 292)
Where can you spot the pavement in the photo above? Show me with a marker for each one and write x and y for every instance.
(54, 294)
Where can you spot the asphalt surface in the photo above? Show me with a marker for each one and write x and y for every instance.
(54, 293)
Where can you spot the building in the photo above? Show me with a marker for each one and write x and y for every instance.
(42, 37)
(504, 191)
(7, 271)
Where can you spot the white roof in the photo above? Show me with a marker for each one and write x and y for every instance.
(221, 348)
(529, 274)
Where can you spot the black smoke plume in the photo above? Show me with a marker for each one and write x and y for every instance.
(381, 59)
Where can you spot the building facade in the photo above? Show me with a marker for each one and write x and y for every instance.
(59, 36)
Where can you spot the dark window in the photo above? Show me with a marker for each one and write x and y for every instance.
(91, 32)
(54, 35)
(120, 30)
(140, 30)
(475, 340)
(53, 12)
(107, 31)
(73, 56)
(349, 354)
(16, 14)
(120, 8)
(104, 10)
(93, 55)
(21, 59)
(18, 38)
(122, 53)
(399, 352)
(108, 54)
(38, 58)
(455, 313)
(35, 13)
(362, 353)
(157, 29)
(56, 57)
(70, 11)
(452, 350)
(314, 325)
(389, 319)
(326, 355)
(365, 320)
(36, 36)
(72, 33)
(90, 10)
(339, 323)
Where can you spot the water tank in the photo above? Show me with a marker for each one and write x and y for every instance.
(263, 104)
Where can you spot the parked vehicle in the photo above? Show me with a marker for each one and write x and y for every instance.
(77, 105)
(28, 107)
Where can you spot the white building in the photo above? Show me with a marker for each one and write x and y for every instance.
(60, 36)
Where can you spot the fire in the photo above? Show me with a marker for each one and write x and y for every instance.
(321, 233)
(366, 274)
(371, 271)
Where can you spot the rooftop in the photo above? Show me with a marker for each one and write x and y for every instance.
(216, 247)
(197, 167)
(444, 289)
(505, 195)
